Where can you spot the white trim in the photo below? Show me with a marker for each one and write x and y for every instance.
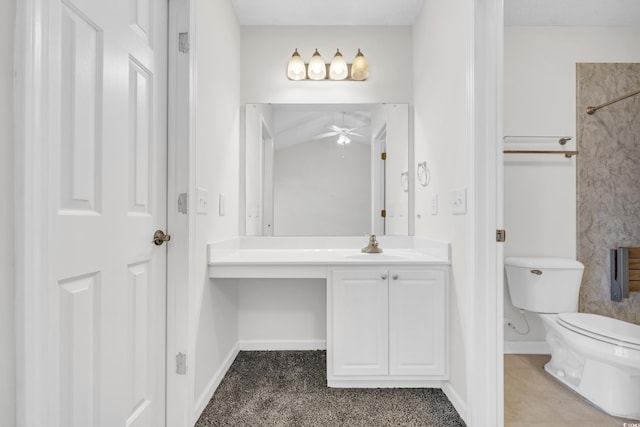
(280, 345)
(387, 382)
(192, 305)
(178, 408)
(214, 383)
(484, 335)
(458, 403)
(526, 347)
(33, 376)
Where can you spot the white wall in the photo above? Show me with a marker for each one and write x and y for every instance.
(217, 170)
(265, 54)
(294, 316)
(439, 38)
(7, 326)
(540, 99)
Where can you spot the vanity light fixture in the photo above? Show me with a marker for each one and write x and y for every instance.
(338, 70)
(296, 70)
(317, 69)
(360, 67)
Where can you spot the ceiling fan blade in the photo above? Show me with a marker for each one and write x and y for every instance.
(354, 134)
(352, 129)
(336, 128)
(325, 135)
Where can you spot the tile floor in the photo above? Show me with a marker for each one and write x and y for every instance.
(534, 398)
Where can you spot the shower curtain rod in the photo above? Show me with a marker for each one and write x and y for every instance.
(592, 110)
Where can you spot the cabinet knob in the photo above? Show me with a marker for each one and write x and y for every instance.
(395, 277)
(383, 277)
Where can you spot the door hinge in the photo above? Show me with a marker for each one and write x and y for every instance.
(181, 364)
(183, 42)
(383, 213)
(501, 235)
(183, 203)
(383, 156)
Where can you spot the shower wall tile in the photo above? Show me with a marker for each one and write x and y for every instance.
(608, 186)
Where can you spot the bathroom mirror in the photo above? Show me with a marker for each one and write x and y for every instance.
(326, 169)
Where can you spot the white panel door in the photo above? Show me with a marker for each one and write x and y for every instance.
(108, 166)
(417, 323)
(359, 344)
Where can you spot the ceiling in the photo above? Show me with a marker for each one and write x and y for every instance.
(296, 123)
(404, 12)
(327, 12)
(604, 13)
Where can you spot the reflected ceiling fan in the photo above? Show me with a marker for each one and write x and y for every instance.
(342, 133)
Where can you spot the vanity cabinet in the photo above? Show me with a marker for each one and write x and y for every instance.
(387, 326)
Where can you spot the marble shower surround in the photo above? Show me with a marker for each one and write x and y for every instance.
(608, 181)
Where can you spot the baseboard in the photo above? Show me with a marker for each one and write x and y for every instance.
(203, 400)
(458, 403)
(276, 345)
(526, 347)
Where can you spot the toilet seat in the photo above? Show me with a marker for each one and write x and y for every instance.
(602, 328)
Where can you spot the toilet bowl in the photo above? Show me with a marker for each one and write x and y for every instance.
(589, 357)
(596, 356)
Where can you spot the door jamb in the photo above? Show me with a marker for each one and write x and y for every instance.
(180, 393)
(485, 388)
(31, 95)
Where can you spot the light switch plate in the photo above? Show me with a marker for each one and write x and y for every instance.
(459, 201)
(202, 201)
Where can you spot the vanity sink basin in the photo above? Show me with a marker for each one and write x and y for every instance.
(384, 256)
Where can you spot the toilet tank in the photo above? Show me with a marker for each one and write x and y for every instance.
(544, 285)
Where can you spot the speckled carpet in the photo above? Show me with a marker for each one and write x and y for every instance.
(288, 388)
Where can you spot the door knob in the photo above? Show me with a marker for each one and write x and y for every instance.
(395, 277)
(159, 237)
(383, 277)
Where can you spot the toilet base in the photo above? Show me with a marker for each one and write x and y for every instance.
(601, 399)
(592, 369)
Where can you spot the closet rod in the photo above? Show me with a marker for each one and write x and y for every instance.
(567, 154)
(592, 110)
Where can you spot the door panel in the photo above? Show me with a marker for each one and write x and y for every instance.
(108, 310)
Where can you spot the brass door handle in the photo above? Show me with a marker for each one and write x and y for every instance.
(159, 237)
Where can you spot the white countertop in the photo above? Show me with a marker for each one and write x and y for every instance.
(311, 256)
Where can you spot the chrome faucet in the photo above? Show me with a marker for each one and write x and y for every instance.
(372, 247)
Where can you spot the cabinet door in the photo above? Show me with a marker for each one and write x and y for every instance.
(359, 301)
(417, 323)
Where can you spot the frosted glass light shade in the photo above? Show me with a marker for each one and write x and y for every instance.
(296, 70)
(343, 140)
(338, 70)
(360, 67)
(317, 68)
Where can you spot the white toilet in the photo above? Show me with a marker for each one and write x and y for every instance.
(597, 356)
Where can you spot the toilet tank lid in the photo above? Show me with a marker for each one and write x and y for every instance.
(544, 262)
